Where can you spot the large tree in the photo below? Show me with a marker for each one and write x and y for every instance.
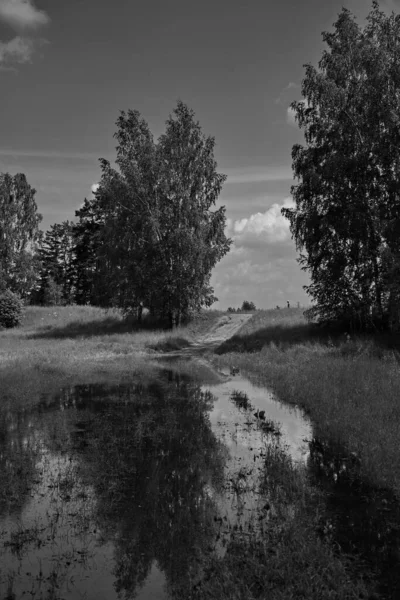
(19, 234)
(348, 197)
(161, 239)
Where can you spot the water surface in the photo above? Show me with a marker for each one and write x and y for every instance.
(130, 491)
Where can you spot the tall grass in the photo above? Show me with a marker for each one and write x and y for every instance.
(350, 388)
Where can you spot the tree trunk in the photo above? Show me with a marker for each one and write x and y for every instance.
(140, 312)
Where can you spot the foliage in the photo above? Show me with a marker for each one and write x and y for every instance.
(19, 233)
(348, 196)
(52, 293)
(87, 266)
(248, 305)
(56, 253)
(159, 239)
(10, 309)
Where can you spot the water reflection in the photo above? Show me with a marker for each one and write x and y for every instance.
(362, 520)
(132, 491)
(120, 493)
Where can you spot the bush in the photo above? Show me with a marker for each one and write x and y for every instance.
(10, 309)
(248, 305)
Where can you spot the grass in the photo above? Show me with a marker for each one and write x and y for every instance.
(351, 389)
(55, 346)
(290, 559)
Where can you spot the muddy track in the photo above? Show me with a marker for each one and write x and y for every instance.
(222, 330)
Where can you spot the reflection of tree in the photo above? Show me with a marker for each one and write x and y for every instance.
(17, 460)
(152, 463)
(365, 519)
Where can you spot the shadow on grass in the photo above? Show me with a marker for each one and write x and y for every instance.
(281, 335)
(107, 326)
(172, 344)
(285, 336)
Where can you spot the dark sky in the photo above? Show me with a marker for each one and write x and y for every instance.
(68, 68)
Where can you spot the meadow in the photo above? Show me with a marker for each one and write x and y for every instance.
(349, 385)
(60, 345)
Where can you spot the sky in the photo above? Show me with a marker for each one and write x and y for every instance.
(68, 68)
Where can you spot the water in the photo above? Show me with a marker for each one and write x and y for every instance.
(130, 491)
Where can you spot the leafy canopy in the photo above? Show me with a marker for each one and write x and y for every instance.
(347, 199)
(160, 238)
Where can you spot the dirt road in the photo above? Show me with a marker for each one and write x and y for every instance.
(223, 329)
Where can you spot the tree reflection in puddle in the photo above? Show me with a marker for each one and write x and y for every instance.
(132, 491)
(128, 488)
(364, 521)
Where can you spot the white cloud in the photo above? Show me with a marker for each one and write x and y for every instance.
(261, 229)
(284, 93)
(18, 50)
(290, 116)
(22, 14)
(94, 188)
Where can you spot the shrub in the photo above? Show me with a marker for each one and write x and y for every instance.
(10, 309)
(248, 305)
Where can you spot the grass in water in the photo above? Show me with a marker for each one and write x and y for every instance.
(350, 387)
(290, 559)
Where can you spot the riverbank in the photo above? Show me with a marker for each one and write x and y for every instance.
(57, 346)
(349, 387)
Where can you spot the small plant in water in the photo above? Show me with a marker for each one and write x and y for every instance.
(240, 399)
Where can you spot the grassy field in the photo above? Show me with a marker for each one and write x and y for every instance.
(350, 387)
(55, 346)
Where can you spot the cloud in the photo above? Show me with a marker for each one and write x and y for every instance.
(257, 276)
(255, 174)
(22, 14)
(261, 229)
(18, 50)
(94, 188)
(290, 116)
(290, 86)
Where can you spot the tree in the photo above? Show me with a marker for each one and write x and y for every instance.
(161, 239)
(19, 233)
(248, 305)
(349, 170)
(56, 254)
(87, 264)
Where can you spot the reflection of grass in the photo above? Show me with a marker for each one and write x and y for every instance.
(58, 345)
(290, 560)
(350, 388)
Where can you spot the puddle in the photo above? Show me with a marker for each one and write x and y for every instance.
(131, 491)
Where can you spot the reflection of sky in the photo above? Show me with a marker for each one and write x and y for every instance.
(293, 424)
(154, 587)
(78, 548)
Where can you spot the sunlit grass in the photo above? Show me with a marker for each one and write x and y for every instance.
(58, 345)
(351, 389)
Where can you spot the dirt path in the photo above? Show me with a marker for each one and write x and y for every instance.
(223, 329)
